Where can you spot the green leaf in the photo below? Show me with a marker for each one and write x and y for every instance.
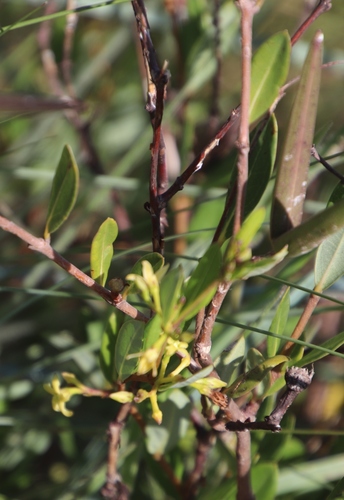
(102, 250)
(107, 350)
(261, 162)
(202, 282)
(270, 66)
(264, 477)
(230, 361)
(258, 265)
(152, 332)
(63, 192)
(248, 381)
(309, 235)
(333, 344)
(176, 413)
(329, 261)
(292, 170)
(129, 341)
(170, 293)
(278, 324)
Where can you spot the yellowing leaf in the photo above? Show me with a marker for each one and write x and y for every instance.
(102, 250)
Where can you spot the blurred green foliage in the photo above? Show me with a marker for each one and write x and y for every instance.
(49, 323)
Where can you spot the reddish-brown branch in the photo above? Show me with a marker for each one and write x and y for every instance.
(322, 7)
(42, 246)
(157, 80)
(114, 489)
(197, 163)
(243, 456)
(302, 323)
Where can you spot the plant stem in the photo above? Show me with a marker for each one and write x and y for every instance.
(42, 246)
(248, 9)
(322, 7)
(114, 488)
(302, 323)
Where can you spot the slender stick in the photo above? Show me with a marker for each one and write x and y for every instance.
(243, 456)
(302, 323)
(248, 9)
(114, 488)
(322, 7)
(197, 163)
(157, 80)
(42, 246)
(329, 167)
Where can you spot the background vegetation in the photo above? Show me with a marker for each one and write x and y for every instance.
(51, 323)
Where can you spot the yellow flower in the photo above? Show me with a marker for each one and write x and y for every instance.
(61, 396)
(122, 396)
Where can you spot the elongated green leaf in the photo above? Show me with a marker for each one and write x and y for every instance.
(329, 262)
(258, 265)
(270, 68)
(248, 381)
(231, 360)
(170, 292)
(102, 250)
(292, 170)
(175, 422)
(129, 341)
(205, 274)
(333, 344)
(107, 350)
(278, 324)
(63, 192)
(261, 162)
(309, 235)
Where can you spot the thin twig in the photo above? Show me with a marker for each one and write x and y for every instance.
(243, 457)
(157, 80)
(114, 489)
(322, 160)
(197, 163)
(322, 7)
(248, 9)
(205, 441)
(42, 246)
(302, 323)
(203, 343)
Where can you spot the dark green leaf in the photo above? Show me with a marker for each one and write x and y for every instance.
(292, 170)
(270, 68)
(129, 341)
(107, 350)
(202, 282)
(261, 162)
(170, 292)
(63, 192)
(230, 361)
(102, 250)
